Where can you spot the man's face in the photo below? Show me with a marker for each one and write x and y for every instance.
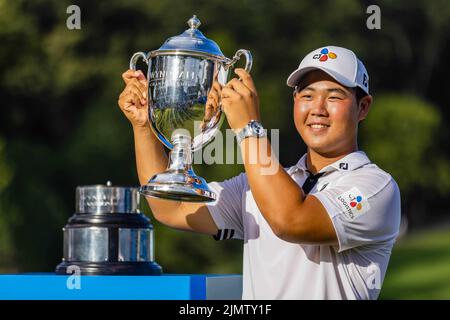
(326, 114)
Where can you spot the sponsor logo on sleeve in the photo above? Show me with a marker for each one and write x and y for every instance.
(353, 203)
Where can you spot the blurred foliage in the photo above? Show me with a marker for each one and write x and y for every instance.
(400, 135)
(6, 175)
(419, 267)
(403, 135)
(61, 126)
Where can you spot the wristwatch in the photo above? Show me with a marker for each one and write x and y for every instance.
(252, 129)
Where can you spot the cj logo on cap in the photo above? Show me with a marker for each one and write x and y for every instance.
(324, 55)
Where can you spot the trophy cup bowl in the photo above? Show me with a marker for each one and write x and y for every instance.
(180, 76)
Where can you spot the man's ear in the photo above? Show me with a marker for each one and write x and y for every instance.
(364, 106)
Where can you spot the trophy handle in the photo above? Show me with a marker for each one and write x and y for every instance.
(135, 58)
(237, 56)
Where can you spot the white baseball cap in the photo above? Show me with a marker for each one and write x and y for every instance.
(340, 63)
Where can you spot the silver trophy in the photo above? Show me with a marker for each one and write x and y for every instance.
(180, 75)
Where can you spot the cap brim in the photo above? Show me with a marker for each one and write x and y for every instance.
(296, 76)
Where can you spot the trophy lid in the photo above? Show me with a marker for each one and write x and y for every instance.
(97, 199)
(192, 40)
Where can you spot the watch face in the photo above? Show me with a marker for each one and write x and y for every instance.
(255, 126)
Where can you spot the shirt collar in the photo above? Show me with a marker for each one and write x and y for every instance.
(350, 162)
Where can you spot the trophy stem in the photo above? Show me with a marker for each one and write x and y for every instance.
(179, 182)
(180, 158)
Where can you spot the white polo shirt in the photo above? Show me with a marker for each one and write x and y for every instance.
(363, 202)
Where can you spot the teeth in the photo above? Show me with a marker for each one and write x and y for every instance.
(318, 126)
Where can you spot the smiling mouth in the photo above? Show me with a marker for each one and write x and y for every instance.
(318, 126)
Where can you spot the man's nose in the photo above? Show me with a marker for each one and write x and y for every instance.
(319, 108)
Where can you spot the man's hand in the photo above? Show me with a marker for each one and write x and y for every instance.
(240, 100)
(212, 107)
(133, 99)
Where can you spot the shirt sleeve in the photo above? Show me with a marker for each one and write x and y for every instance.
(226, 210)
(364, 209)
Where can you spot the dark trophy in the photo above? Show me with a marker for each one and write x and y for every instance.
(180, 75)
(108, 235)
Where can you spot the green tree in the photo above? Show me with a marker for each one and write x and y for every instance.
(403, 135)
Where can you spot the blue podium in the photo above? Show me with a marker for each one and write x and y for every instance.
(48, 286)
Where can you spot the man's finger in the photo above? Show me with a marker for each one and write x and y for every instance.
(239, 87)
(135, 97)
(136, 90)
(246, 79)
(140, 85)
(228, 92)
(140, 75)
(136, 100)
(217, 86)
(128, 75)
(144, 83)
(214, 95)
(128, 106)
(125, 103)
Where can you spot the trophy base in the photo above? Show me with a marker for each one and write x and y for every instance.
(178, 185)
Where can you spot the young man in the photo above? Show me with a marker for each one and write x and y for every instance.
(322, 229)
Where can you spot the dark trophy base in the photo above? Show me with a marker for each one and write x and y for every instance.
(111, 268)
(108, 235)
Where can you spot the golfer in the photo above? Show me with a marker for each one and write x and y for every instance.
(321, 229)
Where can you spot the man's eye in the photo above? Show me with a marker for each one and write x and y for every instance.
(335, 98)
(306, 96)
